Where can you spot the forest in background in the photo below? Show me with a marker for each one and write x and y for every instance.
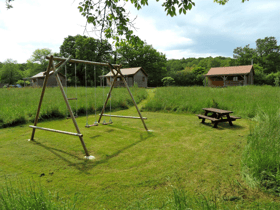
(265, 58)
(161, 72)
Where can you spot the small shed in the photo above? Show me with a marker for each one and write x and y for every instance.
(131, 75)
(38, 79)
(231, 76)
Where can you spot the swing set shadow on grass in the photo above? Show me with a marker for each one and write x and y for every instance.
(115, 70)
(87, 165)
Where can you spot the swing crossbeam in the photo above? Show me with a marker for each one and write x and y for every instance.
(82, 61)
(121, 116)
(56, 131)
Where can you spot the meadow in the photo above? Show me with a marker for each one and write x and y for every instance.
(245, 102)
(19, 106)
(182, 164)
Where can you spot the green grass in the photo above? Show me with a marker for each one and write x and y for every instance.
(19, 105)
(261, 159)
(22, 195)
(243, 101)
(182, 164)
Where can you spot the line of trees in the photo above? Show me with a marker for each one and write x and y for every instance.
(266, 59)
(180, 72)
(87, 48)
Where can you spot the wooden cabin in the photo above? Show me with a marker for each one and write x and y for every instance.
(230, 76)
(132, 76)
(38, 79)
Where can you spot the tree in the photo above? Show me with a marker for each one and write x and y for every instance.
(268, 54)
(85, 48)
(167, 81)
(33, 68)
(244, 55)
(145, 56)
(10, 72)
(39, 56)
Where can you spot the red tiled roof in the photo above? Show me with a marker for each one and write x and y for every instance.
(231, 70)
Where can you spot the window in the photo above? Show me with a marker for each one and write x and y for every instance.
(143, 79)
(118, 79)
(235, 78)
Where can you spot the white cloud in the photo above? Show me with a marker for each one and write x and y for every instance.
(160, 39)
(37, 24)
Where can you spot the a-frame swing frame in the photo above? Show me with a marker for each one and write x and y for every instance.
(56, 68)
(117, 74)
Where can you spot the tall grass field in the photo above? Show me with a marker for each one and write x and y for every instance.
(19, 105)
(245, 102)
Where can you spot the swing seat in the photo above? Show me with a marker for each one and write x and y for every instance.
(72, 99)
(88, 126)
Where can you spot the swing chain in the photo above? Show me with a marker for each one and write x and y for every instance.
(86, 95)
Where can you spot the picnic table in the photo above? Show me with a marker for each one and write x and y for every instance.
(217, 115)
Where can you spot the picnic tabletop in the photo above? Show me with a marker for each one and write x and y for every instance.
(220, 111)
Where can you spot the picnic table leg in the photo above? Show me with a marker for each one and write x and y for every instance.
(203, 119)
(229, 120)
(218, 116)
(216, 125)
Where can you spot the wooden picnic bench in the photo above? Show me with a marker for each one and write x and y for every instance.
(217, 115)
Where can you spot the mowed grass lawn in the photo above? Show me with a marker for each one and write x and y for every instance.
(134, 169)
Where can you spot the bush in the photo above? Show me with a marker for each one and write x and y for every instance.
(167, 81)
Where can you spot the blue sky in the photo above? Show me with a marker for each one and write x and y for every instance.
(208, 29)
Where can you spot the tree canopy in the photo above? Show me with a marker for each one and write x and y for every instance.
(145, 56)
(85, 48)
(10, 73)
(266, 54)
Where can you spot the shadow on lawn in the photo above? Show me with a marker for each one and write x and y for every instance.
(84, 165)
(223, 126)
(56, 153)
(91, 164)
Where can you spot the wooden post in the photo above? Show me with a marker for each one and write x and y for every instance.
(224, 78)
(108, 96)
(140, 115)
(42, 96)
(72, 115)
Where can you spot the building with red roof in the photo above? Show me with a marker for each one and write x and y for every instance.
(230, 76)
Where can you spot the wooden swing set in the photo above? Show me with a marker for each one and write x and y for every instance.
(115, 69)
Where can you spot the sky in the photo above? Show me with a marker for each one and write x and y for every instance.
(209, 29)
